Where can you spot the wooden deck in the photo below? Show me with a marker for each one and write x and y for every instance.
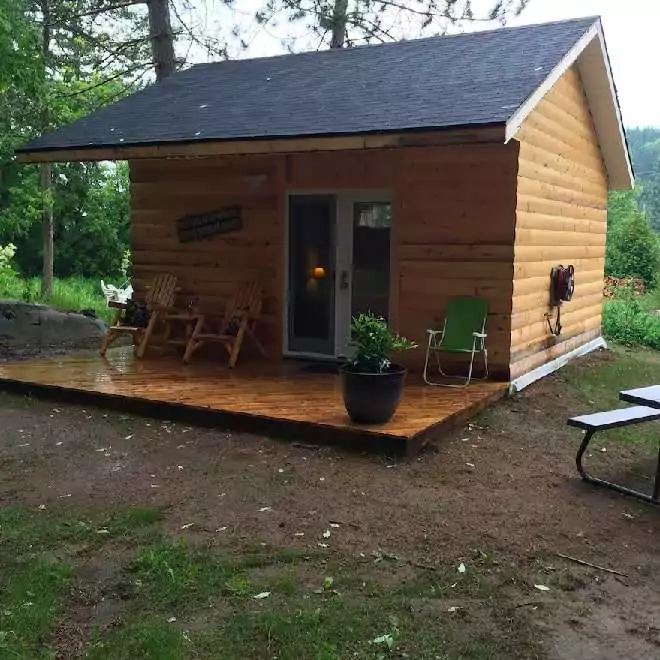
(276, 398)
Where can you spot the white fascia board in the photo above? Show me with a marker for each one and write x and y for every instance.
(590, 54)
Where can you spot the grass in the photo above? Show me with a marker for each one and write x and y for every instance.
(598, 386)
(28, 602)
(69, 294)
(37, 567)
(176, 600)
(23, 530)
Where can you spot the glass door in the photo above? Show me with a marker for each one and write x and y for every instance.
(370, 290)
(311, 287)
(363, 260)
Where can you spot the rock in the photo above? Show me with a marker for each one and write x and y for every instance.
(32, 328)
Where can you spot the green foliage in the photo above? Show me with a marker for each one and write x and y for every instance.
(8, 275)
(91, 218)
(6, 258)
(51, 75)
(373, 342)
(629, 320)
(645, 153)
(69, 294)
(632, 245)
(126, 265)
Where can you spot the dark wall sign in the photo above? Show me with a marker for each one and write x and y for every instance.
(202, 225)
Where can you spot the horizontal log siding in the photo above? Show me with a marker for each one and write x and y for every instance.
(454, 237)
(561, 218)
(163, 191)
(453, 209)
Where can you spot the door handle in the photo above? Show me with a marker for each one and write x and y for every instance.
(343, 279)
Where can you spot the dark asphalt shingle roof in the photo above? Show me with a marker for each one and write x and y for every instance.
(477, 78)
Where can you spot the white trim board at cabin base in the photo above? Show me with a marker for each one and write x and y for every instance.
(549, 367)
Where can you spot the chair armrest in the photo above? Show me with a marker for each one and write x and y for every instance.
(480, 335)
(438, 328)
(115, 304)
(155, 307)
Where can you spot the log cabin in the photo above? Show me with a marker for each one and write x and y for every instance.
(389, 178)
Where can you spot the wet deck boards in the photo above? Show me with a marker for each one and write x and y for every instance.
(279, 397)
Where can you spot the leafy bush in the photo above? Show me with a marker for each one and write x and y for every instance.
(6, 256)
(633, 249)
(126, 265)
(373, 342)
(627, 320)
(7, 272)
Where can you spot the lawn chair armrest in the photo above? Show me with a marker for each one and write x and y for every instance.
(439, 328)
(480, 335)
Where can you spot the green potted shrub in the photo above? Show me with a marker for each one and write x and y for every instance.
(371, 384)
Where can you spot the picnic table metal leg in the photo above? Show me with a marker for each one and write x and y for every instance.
(578, 459)
(612, 486)
(656, 485)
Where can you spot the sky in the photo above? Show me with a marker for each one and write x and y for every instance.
(632, 32)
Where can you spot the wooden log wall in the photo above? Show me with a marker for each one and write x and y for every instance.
(454, 237)
(162, 191)
(453, 227)
(561, 218)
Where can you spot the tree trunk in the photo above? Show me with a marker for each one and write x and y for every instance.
(46, 185)
(45, 169)
(162, 39)
(339, 17)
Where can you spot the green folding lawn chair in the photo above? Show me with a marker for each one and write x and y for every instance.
(461, 333)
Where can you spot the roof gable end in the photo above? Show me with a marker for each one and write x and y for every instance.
(590, 56)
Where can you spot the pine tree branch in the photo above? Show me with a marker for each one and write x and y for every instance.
(432, 11)
(221, 52)
(119, 74)
(102, 10)
(113, 97)
(120, 48)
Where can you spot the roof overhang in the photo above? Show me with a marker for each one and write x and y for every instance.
(200, 149)
(590, 56)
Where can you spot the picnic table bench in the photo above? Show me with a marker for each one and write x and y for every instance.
(647, 410)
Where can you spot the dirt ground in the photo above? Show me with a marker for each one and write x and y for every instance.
(504, 486)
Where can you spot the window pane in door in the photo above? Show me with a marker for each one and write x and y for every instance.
(311, 276)
(372, 222)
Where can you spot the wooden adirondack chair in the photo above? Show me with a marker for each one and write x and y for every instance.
(159, 300)
(240, 318)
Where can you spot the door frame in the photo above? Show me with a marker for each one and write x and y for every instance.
(345, 198)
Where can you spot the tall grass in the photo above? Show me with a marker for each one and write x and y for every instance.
(71, 294)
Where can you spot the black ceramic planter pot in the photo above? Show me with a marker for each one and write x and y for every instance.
(372, 398)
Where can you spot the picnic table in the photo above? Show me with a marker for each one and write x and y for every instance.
(646, 408)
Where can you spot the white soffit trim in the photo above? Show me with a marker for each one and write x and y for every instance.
(590, 54)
